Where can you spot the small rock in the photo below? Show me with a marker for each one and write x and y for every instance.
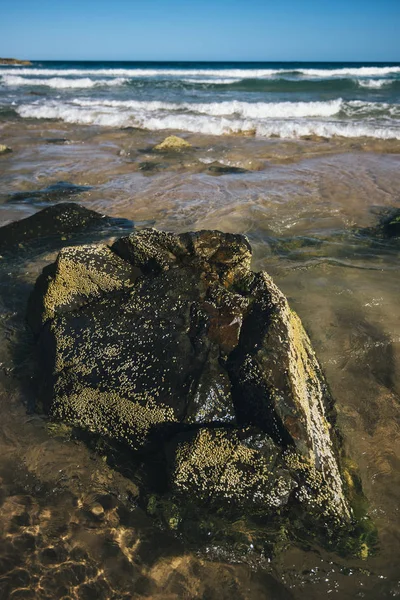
(97, 510)
(4, 149)
(217, 168)
(56, 140)
(172, 142)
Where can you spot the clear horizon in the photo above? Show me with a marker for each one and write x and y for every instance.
(216, 61)
(258, 31)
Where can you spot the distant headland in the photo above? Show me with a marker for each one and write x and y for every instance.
(14, 61)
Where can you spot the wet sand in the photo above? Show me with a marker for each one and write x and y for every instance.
(302, 205)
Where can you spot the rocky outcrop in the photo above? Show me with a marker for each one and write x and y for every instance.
(15, 62)
(170, 343)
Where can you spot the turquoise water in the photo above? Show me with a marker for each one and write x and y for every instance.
(288, 100)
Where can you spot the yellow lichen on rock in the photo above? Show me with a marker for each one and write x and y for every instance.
(217, 465)
(111, 415)
(173, 142)
(83, 272)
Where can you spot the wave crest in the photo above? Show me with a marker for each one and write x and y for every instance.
(62, 83)
(282, 120)
(134, 72)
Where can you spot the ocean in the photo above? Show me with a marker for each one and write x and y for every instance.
(287, 100)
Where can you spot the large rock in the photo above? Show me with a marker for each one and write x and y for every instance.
(171, 341)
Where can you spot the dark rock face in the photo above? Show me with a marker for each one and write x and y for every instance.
(171, 342)
(60, 191)
(53, 226)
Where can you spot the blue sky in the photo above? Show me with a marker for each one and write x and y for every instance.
(353, 30)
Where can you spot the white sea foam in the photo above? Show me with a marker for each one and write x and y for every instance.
(214, 81)
(155, 116)
(206, 73)
(352, 72)
(247, 110)
(61, 82)
(374, 83)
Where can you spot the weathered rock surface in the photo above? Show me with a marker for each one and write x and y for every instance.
(52, 227)
(171, 341)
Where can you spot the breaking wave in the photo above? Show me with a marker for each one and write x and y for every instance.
(61, 82)
(284, 119)
(374, 83)
(206, 73)
(255, 110)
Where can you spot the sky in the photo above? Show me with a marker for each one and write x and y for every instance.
(252, 30)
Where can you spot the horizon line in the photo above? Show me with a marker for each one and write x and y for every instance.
(198, 60)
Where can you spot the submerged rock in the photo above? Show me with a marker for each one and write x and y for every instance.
(149, 166)
(56, 140)
(52, 227)
(61, 190)
(172, 142)
(217, 168)
(388, 225)
(170, 343)
(391, 225)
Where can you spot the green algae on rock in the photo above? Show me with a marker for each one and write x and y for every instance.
(172, 142)
(170, 343)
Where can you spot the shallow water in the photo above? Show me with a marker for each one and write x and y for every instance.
(302, 205)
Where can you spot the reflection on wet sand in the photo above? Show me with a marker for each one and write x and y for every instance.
(70, 525)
